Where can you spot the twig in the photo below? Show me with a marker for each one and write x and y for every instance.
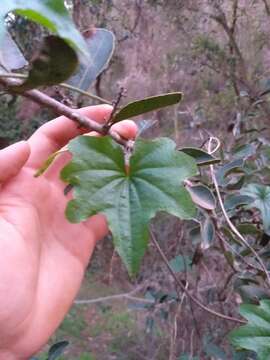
(224, 250)
(187, 292)
(128, 296)
(267, 7)
(231, 225)
(85, 93)
(63, 85)
(175, 327)
(115, 104)
(61, 109)
(237, 253)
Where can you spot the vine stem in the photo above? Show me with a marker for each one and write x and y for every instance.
(61, 109)
(63, 85)
(185, 290)
(228, 220)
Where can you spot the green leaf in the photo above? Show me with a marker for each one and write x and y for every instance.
(243, 151)
(235, 200)
(48, 162)
(207, 233)
(238, 183)
(129, 199)
(225, 170)
(214, 351)
(195, 235)
(202, 196)
(55, 62)
(11, 57)
(187, 357)
(255, 335)
(181, 263)
(143, 106)
(49, 13)
(249, 229)
(201, 157)
(57, 349)
(253, 294)
(261, 196)
(100, 45)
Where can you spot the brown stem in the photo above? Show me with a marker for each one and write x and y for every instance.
(61, 109)
(185, 290)
(267, 7)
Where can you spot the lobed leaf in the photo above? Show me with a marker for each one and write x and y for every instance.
(129, 201)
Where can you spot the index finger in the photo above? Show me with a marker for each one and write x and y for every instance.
(56, 133)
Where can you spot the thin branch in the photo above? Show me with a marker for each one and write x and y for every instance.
(267, 7)
(186, 291)
(234, 17)
(231, 225)
(174, 331)
(61, 109)
(128, 296)
(85, 93)
(251, 266)
(224, 250)
(63, 85)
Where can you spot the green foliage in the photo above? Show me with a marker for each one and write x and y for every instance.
(210, 49)
(201, 156)
(129, 195)
(10, 127)
(143, 106)
(131, 188)
(86, 356)
(57, 349)
(73, 325)
(202, 196)
(48, 162)
(181, 263)
(235, 166)
(48, 68)
(100, 46)
(261, 196)
(235, 200)
(50, 13)
(187, 357)
(207, 232)
(256, 334)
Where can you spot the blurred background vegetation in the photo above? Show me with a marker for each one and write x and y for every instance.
(218, 54)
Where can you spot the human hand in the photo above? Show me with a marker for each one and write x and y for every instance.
(43, 255)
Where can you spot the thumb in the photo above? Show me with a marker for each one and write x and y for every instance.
(12, 159)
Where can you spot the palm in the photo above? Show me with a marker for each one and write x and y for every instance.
(45, 256)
